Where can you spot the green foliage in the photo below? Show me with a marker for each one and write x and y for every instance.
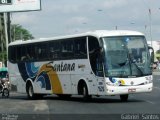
(17, 33)
(158, 51)
(157, 55)
(20, 33)
(3, 56)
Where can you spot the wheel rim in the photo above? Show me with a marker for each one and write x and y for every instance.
(84, 91)
(30, 91)
(5, 93)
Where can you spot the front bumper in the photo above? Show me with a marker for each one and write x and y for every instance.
(115, 90)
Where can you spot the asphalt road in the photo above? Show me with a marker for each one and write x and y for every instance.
(139, 106)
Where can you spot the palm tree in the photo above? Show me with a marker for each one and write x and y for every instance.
(20, 33)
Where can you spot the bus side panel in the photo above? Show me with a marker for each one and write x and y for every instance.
(47, 80)
(75, 79)
(65, 81)
(83, 72)
(92, 84)
(15, 78)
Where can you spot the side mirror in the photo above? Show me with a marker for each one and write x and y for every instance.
(151, 51)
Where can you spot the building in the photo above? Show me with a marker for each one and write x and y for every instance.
(156, 47)
(155, 44)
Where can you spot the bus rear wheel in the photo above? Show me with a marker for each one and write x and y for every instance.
(64, 96)
(30, 92)
(124, 98)
(5, 93)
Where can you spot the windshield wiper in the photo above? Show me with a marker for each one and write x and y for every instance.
(122, 63)
(132, 61)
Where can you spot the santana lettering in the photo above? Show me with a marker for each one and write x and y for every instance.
(64, 67)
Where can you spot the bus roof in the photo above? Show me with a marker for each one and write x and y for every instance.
(96, 33)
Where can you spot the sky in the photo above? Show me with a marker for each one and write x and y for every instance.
(63, 17)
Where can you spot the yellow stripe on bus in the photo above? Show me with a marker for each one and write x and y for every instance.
(53, 77)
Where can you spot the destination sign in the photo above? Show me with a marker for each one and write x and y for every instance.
(19, 5)
(5, 2)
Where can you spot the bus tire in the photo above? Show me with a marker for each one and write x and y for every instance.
(86, 96)
(124, 98)
(5, 93)
(39, 96)
(64, 96)
(30, 91)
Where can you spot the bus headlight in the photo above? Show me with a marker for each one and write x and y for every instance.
(110, 84)
(149, 79)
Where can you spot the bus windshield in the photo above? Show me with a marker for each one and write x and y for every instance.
(126, 56)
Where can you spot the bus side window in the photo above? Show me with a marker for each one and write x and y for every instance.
(54, 50)
(24, 54)
(12, 54)
(42, 51)
(19, 55)
(95, 56)
(29, 53)
(67, 49)
(80, 47)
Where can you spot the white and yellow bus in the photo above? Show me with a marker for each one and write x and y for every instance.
(96, 63)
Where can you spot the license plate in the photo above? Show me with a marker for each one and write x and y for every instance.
(131, 90)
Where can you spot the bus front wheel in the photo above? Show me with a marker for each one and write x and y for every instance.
(124, 98)
(85, 94)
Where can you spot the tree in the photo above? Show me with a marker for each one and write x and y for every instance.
(3, 56)
(20, 33)
(157, 55)
(17, 33)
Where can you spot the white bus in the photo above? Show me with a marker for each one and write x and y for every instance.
(96, 63)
